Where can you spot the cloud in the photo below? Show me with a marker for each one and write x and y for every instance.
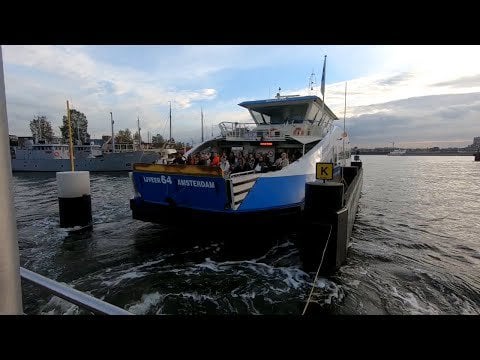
(39, 79)
(463, 82)
(441, 120)
(393, 80)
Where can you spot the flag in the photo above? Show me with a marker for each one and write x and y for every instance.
(323, 76)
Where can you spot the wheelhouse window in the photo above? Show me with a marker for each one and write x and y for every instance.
(281, 114)
(260, 118)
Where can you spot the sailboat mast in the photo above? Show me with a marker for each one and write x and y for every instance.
(139, 136)
(170, 139)
(113, 134)
(78, 131)
(201, 109)
(344, 115)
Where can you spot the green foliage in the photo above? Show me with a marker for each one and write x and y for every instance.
(124, 137)
(158, 140)
(179, 145)
(79, 127)
(41, 128)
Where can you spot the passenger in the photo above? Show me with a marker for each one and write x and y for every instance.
(261, 166)
(224, 165)
(196, 159)
(251, 161)
(282, 161)
(268, 164)
(202, 161)
(216, 160)
(179, 160)
(231, 158)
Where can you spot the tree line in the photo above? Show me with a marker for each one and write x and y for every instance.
(42, 130)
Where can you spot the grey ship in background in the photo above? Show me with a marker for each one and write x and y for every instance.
(52, 157)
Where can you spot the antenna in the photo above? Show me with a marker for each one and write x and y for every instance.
(312, 81)
(201, 109)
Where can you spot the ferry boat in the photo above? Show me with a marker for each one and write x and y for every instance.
(295, 132)
(397, 152)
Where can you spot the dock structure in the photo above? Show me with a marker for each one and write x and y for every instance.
(329, 215)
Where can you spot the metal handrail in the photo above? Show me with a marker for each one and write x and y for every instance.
(73, 296)
(242, 173)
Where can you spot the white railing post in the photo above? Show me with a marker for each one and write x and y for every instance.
(10, 285)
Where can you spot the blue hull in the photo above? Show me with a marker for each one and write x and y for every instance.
(177, 215)
(166, 197)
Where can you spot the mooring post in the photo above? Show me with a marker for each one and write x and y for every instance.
(74, 198)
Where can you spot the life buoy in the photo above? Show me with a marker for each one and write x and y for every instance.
(56, 154)
(271, 132)
(298, 131)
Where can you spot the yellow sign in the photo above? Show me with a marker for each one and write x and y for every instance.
(324, 171)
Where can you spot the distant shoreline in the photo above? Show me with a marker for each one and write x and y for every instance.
(420, 153)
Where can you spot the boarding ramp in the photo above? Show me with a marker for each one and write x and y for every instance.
(241, 183)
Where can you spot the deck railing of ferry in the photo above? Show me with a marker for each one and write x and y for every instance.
(249, 131)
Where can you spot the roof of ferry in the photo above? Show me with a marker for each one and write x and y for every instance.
(255, 104)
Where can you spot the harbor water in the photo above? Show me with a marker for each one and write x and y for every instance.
(415, 249)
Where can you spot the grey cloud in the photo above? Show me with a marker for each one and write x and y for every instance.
(395, 79)
(466, 81)
(430, 118)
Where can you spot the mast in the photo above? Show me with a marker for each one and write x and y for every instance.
(311, 81)
(40, 129)
(113, 135)
(170, 139)
(78, 130)
(70, 137)
(344, 135)
(201, 109)
(139, 136)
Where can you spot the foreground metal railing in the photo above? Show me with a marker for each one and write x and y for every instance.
(73, 296)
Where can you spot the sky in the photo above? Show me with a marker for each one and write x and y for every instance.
(416, 96)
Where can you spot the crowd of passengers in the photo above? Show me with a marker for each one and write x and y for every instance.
(236, 162)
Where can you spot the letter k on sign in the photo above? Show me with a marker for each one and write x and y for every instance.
(324, 171)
